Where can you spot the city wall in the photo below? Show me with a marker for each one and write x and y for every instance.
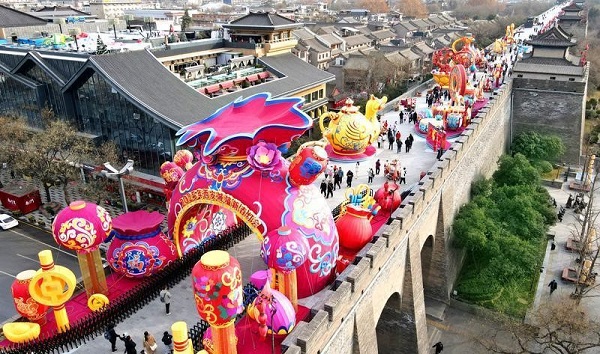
(377, 303)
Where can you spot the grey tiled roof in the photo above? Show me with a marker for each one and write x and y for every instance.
(356, 40)
(35, 59)
(315, 45)
(298, 74)
(262, 19)
(303, 33)
(548, 66)
(569, 18)
(409, 54)
(437, 20)
(572, 7)
(14, 18)
(423, 47)
(364, 30)
(383, 34)
(420, 24)
(331, 39)
(408, 25)
(326, 29)
(554, 37)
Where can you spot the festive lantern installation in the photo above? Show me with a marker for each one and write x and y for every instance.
(139, 247)
(307, 165)
(53, 285)
(25, 305)
(181, 343)
(184, 159)
(97, 302)
(82, 227)
(217, 281)
(21, 332)
(274, 312)
(354, 226)
(285, 251)
(171, 173)
(388, 196)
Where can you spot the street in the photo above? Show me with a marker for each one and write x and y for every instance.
(19, 252)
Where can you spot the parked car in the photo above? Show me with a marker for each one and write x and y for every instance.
(7, 221)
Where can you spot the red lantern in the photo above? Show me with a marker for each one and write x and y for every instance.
(171, 173)
(309, 162)
(25, 305)
(354, 227)
(217, 281)
(388, 197)
(184, 159)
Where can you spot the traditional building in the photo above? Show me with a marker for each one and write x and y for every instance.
(571, 15)
(549, 91)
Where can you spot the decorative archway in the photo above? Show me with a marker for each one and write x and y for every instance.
(228, 176)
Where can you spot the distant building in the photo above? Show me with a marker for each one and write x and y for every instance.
(549, 91)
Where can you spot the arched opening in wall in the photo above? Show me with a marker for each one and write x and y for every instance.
(389, 326)
(426, 256)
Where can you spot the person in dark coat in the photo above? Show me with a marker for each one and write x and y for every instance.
(438, 347)
(329, 189)
(349, 176)
(129, 344)
(553, 286)
(112, 336)
(324, 188)
(167, 340)
(377, 166)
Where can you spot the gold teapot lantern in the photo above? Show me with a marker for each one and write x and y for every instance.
(349, 132)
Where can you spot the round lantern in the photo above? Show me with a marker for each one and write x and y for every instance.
(388, 196)
(139, 247)
(217, 281)
(25, 305)
(285, 251)
(354, 227)
(171, 173)
(308, 164)
(82, 227)
(184, 159)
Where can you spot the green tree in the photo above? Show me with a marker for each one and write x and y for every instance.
(516, 170)
(186, 20)
(14, 136)
(100, 47)
(538, 146)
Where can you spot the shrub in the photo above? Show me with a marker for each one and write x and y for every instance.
(543, 166)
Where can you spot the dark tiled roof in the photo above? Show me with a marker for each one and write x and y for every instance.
(298, 75)
(14, 18)
(139, 76)
(572, 7)
(161, 53)
(554, 37)
(263, 20)
(408, 25)
(569, 18)
(63, 10)
(383, 34)
(34, 59)
(533, 66)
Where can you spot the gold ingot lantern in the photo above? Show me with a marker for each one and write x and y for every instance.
(349, 132)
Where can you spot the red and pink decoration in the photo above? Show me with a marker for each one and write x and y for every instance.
(25, 305)
(139, 248)
(307, 165)
(217, 282)
(355, 228)
(285, 251)
(82, 227)
(184, 159)
(274, 312)
(388, 196)
(240, 172)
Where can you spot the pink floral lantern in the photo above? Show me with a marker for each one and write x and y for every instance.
(285, 251)
(184, 159)
(139, 247)
(82, 227)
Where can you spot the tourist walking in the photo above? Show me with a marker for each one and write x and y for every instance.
(377, 167)
(553, 286)
(438, 347)
(371, 175)
(398, 145)
(403, 176)
(111, 335)
(379, 141)
(330, 188)
(167, 340)
(340, 176)
(349, 176)
(165, 298)
(323, 188)
(150, 344)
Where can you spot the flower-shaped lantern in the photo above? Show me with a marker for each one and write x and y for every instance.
(82, 227)
(139, 247)
(264, 157)
(217, 282)
(284, 251)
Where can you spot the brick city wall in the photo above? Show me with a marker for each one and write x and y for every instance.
(551, 107)
(382, 294)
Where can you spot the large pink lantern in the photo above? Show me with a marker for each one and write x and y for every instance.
(217, 281)
(285, 251)
(240, 170)
(82, 227)
(139, 247)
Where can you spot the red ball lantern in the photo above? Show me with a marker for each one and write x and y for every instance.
(308, 164)
(217, 282)
(388, 197)
(184, 159)
(139, 247)
(354, 227)
(25, 305)
(171, 173)
(82, 227)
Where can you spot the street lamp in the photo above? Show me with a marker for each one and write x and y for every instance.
(74, 32)
(149, 20)
(60, 21)
(113, 172)
(114, 22)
